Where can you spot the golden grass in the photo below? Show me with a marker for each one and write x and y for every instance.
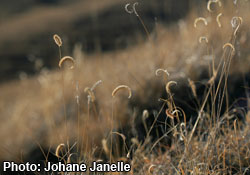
(36, 103)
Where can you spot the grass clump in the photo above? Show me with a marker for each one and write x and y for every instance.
(199, 126)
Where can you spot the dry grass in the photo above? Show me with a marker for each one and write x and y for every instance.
(47, 109)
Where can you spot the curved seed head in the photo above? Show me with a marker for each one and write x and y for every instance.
(170, 83)
(134, 9)
(95, 85)
(203, 38)
(91, 95)
(121, 135)
(90, 91)
(218, 19)
(57, 40)
(67, 58)
(229, 45)
(176, 111)
(236, 23)
(213, 1)
(151, 169)
(236, 20)
(200, 19)
(145, 115)
(59, 149)
(127, 10)
(118, 88)
(165, 71)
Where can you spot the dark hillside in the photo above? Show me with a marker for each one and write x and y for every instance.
(26, 29)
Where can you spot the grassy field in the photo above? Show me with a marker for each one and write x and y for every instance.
(189, 106)
(98, 26)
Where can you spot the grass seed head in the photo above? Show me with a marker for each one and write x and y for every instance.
(91, 95)
(218, 19)
(134, 9)
(121, 135)
(151, 169)
(69, 58)
(127, 10)
(229, 45)
(122, 87)
(200, 19)
(176, 111)
(213, 1)
(203, 38)
(90, 91)
(145, 114)
(59, 149)
(57, 40)
(96, 84)
(236, 23)
(168, 86)
(165, 71)
(193, 87)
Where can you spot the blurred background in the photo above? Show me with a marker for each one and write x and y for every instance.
(27, 27)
